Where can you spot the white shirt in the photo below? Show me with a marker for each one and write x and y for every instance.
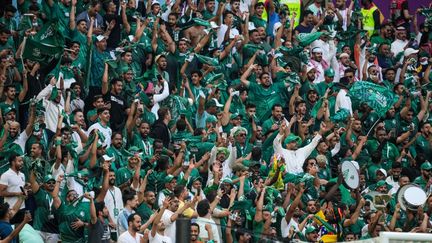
(203, 232)
(21, 140)
(343, 101)
(285, 227)
(113, 199)
(159, 98)
(13, 181)
(126, 237)
(106, 131)
(398, 46)
(221, 33)
(294, 159)
(158, 238)
(170, 229)
(52, 109)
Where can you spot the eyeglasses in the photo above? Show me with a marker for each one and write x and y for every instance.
(350, 76)
(50, 183)
(242, 135)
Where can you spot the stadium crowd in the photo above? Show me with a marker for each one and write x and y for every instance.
(120, 120)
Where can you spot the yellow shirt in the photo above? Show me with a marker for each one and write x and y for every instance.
(188, 212)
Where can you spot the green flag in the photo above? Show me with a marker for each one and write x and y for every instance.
(379, 98)
(45, 46)
(340, 116)
(207, 60)
(306, 39)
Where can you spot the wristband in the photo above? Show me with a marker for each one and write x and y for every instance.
(58, 142)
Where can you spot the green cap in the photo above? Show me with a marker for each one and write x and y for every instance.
(227, 180)
(169, 178)
(212, 103)
(311, 229)
(292, 138)
(211, 119)
(329, 72)
(235, 115)
(268, 207)
(8, 109)
(380, 183)
(426, 166)
(48, 178)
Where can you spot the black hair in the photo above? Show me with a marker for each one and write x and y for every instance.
(162, 112)
(115, 80)
(203, 207)
(178, 190)
(131, 217)
(10, 8)
(128, 195)
(4, 209)
(181, 125)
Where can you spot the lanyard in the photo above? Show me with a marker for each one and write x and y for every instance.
(113, 197)
(146, 147)
(50, 203)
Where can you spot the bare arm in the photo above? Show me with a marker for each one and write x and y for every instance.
(105, 79)
(72, 23)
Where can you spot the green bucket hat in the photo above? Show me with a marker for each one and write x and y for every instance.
(292, 138)
(224, 151)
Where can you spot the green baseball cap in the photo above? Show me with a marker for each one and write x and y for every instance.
(426, 166)
(48, 178)
(311, 229)
(329, 72)
(169, 178)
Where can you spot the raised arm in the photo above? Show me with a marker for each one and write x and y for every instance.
(105, 183)
(55, 193)
(93, 153)
(105, 75)
(259, 206)
(246, 74)
(29, 127)
(72, 23)
(90, 31)
(23, 92)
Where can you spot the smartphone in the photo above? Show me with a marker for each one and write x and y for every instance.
(224, 135)
(182, 116)
(159, 77)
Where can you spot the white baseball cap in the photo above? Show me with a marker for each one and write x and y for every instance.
(410, 51)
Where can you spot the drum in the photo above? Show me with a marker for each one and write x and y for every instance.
(411, 197)
(350, 172)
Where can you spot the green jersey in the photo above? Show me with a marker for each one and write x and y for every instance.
(69, 213)
(44, 219)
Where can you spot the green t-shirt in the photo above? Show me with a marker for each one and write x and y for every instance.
(265, 98)
(144, 211)
(44, 219)
(68, 213)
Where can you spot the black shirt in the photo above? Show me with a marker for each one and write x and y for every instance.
(117, 111)
(99, 232)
